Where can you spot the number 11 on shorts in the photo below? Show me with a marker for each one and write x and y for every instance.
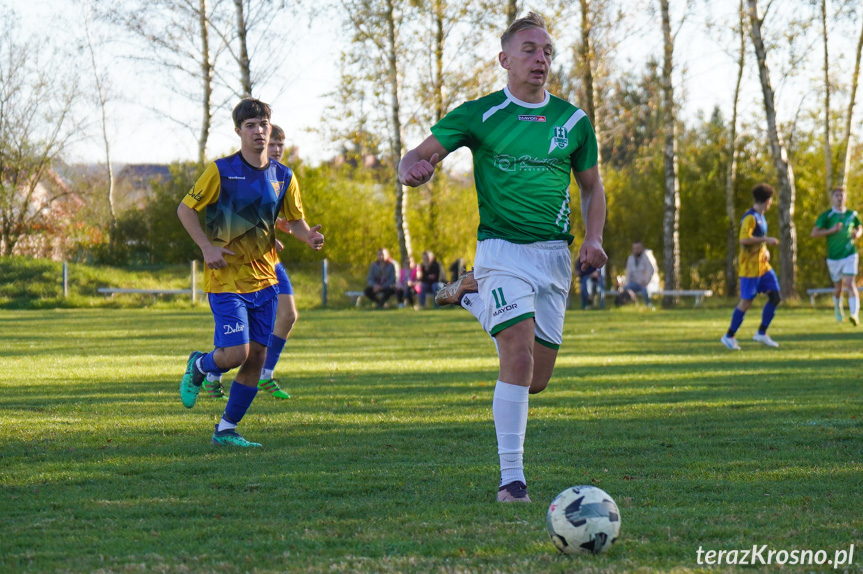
(499, 301)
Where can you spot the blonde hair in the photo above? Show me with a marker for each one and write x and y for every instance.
(532, 20)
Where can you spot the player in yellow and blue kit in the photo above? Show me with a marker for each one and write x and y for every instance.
(242, 195)
(756, 275)
(286, 308)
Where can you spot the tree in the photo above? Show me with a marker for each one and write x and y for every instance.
(671, 214)
(36, 125)
(176, 41)
(731, 173)
(244, 31)
(828, 154)
(849, 114)
(375, 28)
(784, 173)
(102, 99)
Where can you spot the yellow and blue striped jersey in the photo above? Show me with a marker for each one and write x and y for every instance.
(753, 258)
(242, 203)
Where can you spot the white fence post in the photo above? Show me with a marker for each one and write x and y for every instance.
(324, 281)
(194, 283)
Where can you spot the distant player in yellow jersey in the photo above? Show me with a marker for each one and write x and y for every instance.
(756, 275)
(242, 196)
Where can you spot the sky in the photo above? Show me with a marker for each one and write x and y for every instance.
(704, 71)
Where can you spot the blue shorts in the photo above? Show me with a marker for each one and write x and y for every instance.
(751, 286)
(285, 287)
(241, 317)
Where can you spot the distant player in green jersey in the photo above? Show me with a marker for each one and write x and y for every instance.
(525, 143)
(842, 228)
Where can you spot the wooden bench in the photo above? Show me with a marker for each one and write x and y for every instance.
(154, 292)
(356, 297)
(699, 294)
(820, 291)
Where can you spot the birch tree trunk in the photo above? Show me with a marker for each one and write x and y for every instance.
(402, 229)
(511, 11)
(103, 102)
(206, 81)
(828, 154)
(587, 55)
(849, 114)
(438, 8)
(784, 173)
(731, 174)
(243, 60)
(671, 217)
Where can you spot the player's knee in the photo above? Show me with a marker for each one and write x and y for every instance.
(774, 297)
(235, 356)
(289, 319)
(537, 386)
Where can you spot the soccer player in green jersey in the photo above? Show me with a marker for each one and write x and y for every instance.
(525, 143)
(842, 228)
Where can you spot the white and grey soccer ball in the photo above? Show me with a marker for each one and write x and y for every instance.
(583, 519)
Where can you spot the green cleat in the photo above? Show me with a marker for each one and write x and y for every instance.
(215, 390)
(190, 386)
(272, 387)
(230, 437)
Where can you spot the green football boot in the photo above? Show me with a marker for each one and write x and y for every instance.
(230, 437)
(214, 389)
(272, 387)
(190, 385)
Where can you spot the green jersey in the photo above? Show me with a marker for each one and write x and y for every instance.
(839, 244)
(523, 154)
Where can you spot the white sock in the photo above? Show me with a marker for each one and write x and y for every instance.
(837, 304)
(509, 408)
(852, 305)
(213, 377)
(266, 374)
(226, 425)
(473, 303)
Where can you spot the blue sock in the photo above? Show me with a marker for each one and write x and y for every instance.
(208, 364)
(239, 400)
(766, 317)
(736, 321)
(274, 351)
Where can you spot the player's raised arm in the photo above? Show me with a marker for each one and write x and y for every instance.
(418, 165)
(589, 182)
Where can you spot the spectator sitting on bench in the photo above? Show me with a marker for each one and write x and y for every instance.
(381, 280)
(431, 276)
(641, 276)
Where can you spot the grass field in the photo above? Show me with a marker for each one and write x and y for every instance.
(385, 459)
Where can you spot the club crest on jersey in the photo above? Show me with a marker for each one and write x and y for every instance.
(527, 118)
(277, 185)
(560, 139)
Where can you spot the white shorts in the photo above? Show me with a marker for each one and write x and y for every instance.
(847, 266)
(522, 281)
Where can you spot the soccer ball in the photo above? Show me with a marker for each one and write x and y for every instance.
(583, 519)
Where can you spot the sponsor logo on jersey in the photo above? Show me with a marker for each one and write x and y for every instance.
(505, 309)
(560, 139)
(231, 329)
(196, 196)
(527, 118)
(236, 177)
(510, 163)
